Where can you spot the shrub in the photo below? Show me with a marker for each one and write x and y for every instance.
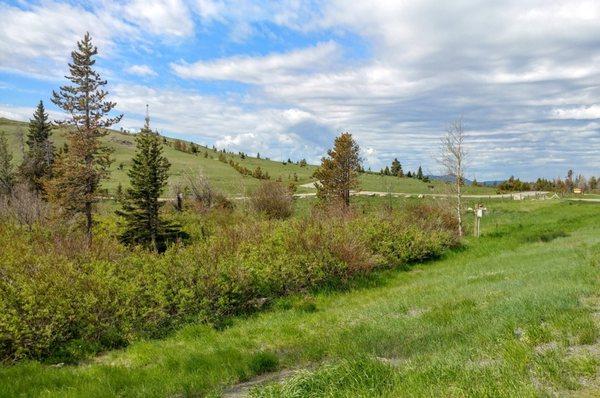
(60, 301)
(272, 199)
(24, 206)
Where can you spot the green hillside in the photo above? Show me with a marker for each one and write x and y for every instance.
(224, 177)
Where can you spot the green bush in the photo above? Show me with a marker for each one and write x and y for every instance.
(60, 301)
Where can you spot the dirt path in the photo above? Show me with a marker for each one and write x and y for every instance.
(242, 390)
(529, 194)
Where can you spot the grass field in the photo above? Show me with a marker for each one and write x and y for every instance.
(222, 176)
(515, 313)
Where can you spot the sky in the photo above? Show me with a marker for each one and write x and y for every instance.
(283, 78)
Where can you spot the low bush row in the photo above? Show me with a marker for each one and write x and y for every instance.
(61, 302)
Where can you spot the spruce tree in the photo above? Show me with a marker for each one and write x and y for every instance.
(148, 178)
(82, 168)
(37, 162)
(396, 169)
(420, 173)
(7, 175)
(338, 172)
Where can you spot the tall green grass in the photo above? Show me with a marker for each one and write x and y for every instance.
(505, 316)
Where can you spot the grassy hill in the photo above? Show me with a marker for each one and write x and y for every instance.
(513, 314)
(224, 177)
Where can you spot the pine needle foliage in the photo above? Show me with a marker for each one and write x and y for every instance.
(80, 170)
(141, 206)
(396, 168)
(39, 157)
(338, 173)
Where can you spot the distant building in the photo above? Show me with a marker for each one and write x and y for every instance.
(578, 191)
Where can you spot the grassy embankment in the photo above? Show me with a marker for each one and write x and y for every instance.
(513, 314)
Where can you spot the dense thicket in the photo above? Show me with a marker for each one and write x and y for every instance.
(61, 300)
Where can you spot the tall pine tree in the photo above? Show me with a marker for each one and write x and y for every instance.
(36, 167)
(148, 177)
(338, 173)
(396, 169)
(7, 175)
(80, 170)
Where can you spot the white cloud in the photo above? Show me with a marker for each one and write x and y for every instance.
(169, 17)
(226, 122)
(241, 15)
(269, 68)
(23, 113)
(141, 70)
(583, 112)
(522, 73)
(37, 40)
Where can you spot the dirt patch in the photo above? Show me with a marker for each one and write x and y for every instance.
(241, 390)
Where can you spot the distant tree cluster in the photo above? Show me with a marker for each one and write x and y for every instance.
(560, 185)
(257, 173)
(513, 185)
(396, 170)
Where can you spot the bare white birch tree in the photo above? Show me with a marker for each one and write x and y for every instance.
(453, 156)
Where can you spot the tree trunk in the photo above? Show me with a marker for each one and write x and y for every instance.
(89, 222)
(458, 207)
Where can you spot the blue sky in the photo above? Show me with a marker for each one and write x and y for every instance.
(284, 77)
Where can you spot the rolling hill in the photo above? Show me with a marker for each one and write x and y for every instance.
(221, 174)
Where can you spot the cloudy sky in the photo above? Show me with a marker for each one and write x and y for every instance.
(284, 77)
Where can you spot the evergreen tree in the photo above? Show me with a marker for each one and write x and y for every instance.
(409, 174)
(7, 175)
(148, 178)
(396, 169)
(569, 181)
(386, 171)
(420, 173)
(80, 171)
(37, 162)
(593, 182)
(338, 172)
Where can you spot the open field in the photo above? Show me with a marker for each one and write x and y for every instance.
(515, 313)
(222, 175)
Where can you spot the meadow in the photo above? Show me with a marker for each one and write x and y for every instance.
(513, 313)
(222, 176)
